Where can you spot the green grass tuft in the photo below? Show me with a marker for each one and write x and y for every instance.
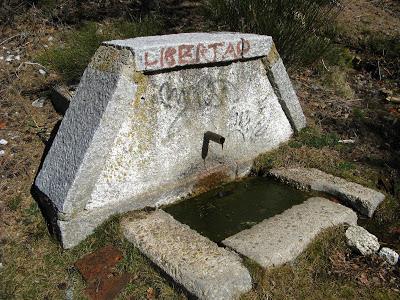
(14, 203)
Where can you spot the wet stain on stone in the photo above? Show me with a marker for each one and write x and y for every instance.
(209, 182)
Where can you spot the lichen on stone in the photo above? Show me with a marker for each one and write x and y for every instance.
(109, 59)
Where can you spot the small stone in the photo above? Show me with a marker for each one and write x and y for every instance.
(3, 142)
(360, 239)
(50, 38)
(42, 72)
(391, 256)
(10, 58)
(1, 57)
(39, 102)
(1, 266)
(2, 152)
(69, 294)
(18, 57)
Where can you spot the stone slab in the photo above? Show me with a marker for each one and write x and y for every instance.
(203, 268)
(286, 94)
(362, 199)
(176, 50)
(280, 239)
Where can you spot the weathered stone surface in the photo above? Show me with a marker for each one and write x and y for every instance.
(132, 139)
(203, 268)
(169, 51)
(362, 199)
(284, 90)
(282, 238)
(361, 240)
(391, 256)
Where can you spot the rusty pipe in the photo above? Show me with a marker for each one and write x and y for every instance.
(211, 136)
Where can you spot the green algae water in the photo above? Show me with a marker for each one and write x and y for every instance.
(234, 207)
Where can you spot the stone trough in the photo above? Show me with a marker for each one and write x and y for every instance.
(133, 134)
(157, 119)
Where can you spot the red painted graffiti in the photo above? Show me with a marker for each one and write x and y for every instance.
(187, 54)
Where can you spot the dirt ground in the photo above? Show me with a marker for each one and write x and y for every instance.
(353, 101)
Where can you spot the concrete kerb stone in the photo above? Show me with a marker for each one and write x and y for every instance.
(203, 268)
(362, 199)
(135, 111)
(280, 239)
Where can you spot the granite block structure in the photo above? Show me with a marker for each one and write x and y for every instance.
(133, 134)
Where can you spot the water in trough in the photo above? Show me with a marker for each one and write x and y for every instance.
(236, 206)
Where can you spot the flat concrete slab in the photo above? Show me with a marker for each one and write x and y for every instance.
(282, 238)
(203, 268)
(362, 199)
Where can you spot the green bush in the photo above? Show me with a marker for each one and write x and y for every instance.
(71, 58)
(300, 28)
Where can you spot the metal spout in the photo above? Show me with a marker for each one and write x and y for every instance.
(211, 136)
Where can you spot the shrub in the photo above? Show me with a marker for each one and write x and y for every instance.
(71, 58)
(300, 28)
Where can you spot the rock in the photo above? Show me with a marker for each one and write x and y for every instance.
(391, 256)
(60, 98)
(42, 72)
(2, 152)
(203, 268)
(361, 240)
(39, 103)
(69, 293)
(98, 264)
(123, 123)
(362, 199)
(3, 142)
(282, 238)
(394, 99)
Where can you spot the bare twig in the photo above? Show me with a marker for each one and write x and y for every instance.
(379, 71)
(346, 141)
(30, 63)
(9, 39)
(323, 63)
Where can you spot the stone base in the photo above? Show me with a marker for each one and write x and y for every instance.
(71, 230)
